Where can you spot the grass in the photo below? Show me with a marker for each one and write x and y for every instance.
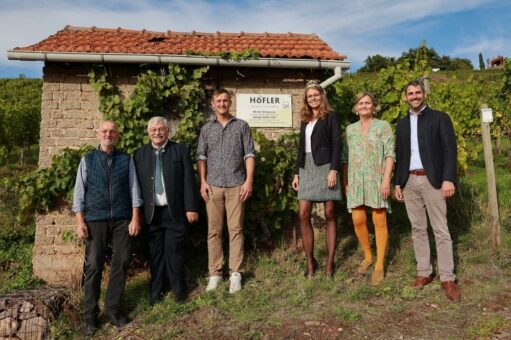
(476, 179)
(277, 301)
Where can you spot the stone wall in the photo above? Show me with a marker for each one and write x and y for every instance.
(70, 117)
(69, 107)
(57, 259)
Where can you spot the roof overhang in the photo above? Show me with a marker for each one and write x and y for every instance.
(175, 59)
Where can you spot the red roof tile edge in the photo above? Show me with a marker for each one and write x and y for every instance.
(286, 48)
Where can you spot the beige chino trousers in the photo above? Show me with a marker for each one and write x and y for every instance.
(222, 202)
(420, 197)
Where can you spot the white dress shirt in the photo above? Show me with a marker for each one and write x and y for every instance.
(308, 134)
(415, 157)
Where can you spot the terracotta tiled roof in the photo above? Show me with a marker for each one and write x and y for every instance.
(125, 41)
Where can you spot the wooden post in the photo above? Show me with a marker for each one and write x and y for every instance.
(427, 86)
(493, 207)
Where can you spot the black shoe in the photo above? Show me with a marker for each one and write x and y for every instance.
(180, 298)
(155, 300)
(117, 320)
(89, 326)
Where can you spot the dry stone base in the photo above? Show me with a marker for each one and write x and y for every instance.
(57, 269)
(26, 315)
(57, 256)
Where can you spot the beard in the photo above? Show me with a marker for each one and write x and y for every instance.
(106, 143)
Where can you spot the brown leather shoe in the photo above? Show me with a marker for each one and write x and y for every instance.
(451, 290)
(421, 281)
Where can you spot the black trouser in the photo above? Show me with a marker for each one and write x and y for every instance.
(101, 234)
(166, 245)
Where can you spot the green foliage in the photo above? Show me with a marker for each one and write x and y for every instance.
(41, 190)
(3, 151)
(412, 56)
(15, 257)
(481, 62)
(249, 53)
(501, 102)
(506, 86)
(433, 59)
(387, 86)
(376, 62)
(461, 98)
(174, 91)
(273, 203)
(15, 246)
(20, 113)
(68, 236)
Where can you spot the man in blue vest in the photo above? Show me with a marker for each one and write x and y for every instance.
(106, 202)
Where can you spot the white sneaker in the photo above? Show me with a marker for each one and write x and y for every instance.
(235, 283)
(213, 283)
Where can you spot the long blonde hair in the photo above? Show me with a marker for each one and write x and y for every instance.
(324, 107)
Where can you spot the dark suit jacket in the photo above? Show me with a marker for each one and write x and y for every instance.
(325, 143)
(437, 148)
(178, 178)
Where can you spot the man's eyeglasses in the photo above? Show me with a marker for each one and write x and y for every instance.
(155, 130)
(108, 131)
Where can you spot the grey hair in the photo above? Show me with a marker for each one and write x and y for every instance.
(156, 120)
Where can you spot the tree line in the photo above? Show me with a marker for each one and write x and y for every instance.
(378, 62)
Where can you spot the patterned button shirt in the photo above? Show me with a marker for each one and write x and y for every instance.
(225, 148)
(366, 156)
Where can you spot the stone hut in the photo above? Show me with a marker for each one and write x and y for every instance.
(70, 115)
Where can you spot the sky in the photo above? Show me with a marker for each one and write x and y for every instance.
(356, 28)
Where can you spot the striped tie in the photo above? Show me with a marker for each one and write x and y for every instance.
(158, 183)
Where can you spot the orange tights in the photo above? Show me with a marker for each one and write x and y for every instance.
(380, 229)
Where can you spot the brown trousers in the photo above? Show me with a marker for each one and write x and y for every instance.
(225, 201)
(420, 197)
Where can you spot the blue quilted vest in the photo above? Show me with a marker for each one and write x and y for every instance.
(107, 195)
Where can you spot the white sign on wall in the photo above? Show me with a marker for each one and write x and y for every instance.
(487, 115)
(265, 110)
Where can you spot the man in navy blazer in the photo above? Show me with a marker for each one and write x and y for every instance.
(167, 182)
(425, 176)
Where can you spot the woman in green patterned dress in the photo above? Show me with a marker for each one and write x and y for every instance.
(368, 159)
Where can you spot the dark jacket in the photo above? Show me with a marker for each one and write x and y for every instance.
(107, 196)
(178, 178)
(437, 148)
(325, 143)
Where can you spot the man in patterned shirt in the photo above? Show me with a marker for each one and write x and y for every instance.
(226, 163)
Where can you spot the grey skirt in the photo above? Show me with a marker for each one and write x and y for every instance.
(313, 185)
